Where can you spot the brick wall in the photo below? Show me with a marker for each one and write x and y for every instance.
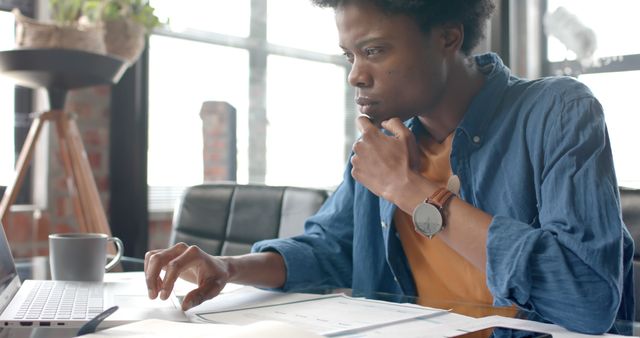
(219, 141)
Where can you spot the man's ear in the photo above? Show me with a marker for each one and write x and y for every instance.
(452, 36)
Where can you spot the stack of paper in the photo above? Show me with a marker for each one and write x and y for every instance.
(250, 312)
(328, 315)
(157, 328)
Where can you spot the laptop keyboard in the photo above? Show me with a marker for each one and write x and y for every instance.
(62, 300)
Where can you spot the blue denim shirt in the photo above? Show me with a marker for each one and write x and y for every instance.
(536, 156)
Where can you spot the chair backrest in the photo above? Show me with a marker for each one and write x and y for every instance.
(227, 218)
(630, 205)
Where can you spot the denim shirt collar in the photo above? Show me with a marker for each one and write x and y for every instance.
(485, 103)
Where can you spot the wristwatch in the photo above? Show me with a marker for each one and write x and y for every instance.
(428, 217)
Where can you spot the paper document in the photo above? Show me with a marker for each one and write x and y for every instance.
(438, 326)
(330, 315)
(157, 328)
(521, 324)
(243, 311)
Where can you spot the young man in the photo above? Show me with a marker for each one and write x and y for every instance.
(534, 222)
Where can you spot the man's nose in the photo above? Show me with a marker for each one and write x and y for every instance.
(358, 75)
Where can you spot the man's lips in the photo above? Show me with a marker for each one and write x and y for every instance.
(366, 104)
(365, 101)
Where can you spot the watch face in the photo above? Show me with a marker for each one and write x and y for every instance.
(427, 219)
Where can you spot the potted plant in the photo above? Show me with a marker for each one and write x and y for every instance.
(127, 23)
(115, 27)
(67, 30)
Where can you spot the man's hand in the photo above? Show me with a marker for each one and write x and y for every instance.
(385, 164)
(210, 273)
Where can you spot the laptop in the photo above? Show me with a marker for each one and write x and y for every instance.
(72, 304)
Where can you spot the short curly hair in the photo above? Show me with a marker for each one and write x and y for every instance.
(472, 14)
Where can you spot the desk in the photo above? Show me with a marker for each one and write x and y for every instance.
(38, 268)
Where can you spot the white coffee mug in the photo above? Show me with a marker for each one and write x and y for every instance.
(81, 256)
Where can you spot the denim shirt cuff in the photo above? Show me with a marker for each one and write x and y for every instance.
(505, 276)
(295, 260)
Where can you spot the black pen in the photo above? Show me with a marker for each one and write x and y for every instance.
(92, 325)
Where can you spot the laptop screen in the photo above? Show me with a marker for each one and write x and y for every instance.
(7, 270)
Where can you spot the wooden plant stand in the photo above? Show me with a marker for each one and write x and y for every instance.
(59, 70)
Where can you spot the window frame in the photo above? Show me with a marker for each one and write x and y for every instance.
(610, 64)
(129, 212)
(259, 49)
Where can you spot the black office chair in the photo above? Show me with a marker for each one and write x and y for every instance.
(630, 204)
(227, 218)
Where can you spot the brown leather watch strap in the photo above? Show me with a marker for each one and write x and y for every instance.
(440, 198)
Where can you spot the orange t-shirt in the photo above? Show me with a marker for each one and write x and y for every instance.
(443, 278)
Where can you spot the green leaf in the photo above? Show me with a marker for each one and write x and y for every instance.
(69, 11)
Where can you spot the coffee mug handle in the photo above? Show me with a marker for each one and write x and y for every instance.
(119, 250)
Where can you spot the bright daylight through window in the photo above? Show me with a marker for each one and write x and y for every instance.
(7, 108)
(201, 58)
(178, 87)
(213, 73)
(297, 109)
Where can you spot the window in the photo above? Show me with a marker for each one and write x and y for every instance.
(613, 78)
(176, 94)
(213, 16)
(310, 29)
(617, 92)
(300, 113)
(7, 105)
(279, 80)
(607, 20)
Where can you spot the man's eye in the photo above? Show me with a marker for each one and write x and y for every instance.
(348, 56)
(372, 51)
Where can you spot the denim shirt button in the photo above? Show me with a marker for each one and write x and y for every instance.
(476, 139)
(383, 224)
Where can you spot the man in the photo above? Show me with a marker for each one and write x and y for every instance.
(535, 219)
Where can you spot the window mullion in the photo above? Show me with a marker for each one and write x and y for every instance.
(258, 93)
(611, 64)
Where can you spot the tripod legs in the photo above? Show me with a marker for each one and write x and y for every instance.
(79, 177)
(22, 164)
